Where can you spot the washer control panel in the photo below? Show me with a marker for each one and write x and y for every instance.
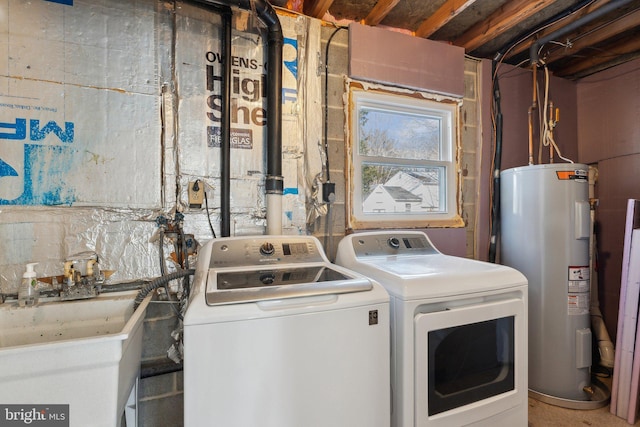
(265, 250)
(392, 243)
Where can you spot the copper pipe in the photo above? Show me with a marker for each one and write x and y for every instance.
(551, 126)
(533, 106)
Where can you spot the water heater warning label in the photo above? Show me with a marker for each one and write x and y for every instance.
(578, 175)
(579, 272)
(578, 290)
(578, 304)
(578, 286)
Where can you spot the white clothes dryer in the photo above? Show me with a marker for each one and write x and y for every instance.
(458, 331)
(277, 336)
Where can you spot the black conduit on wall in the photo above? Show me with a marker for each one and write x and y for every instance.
(275, 41)
(497, 164)
(225, 134)
(328, 231)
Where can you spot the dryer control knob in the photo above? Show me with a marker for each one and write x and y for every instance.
(394, 242)
(267, 249)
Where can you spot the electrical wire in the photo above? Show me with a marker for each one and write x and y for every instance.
(185, 263)
(206, 207)
(548, 125)
(326, 102)
(328, 223)
(496, 117)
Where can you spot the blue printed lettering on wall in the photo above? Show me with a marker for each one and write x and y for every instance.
(35, 160)
(291, 64)
(290, 61)
(18, 130)
(67, 2)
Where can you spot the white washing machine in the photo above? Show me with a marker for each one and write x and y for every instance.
(277, 336)
(458, 331)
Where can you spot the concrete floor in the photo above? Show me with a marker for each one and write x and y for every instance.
(545, 415)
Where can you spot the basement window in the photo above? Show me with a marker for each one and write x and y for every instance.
(403, 151)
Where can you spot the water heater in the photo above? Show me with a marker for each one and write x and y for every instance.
(545, 224)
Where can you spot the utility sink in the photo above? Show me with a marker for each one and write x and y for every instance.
(83, 353)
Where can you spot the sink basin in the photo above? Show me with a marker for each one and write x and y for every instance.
(83, 353)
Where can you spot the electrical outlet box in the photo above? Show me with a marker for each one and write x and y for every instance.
(328, 192)
(196, 194)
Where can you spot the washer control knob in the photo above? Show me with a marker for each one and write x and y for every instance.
(267, 279)
(267, 249)
(394, 242)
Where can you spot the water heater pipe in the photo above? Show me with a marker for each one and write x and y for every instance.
(534, 51)
(537, 44)
(274, 184)
(532, 108)
(605, 345)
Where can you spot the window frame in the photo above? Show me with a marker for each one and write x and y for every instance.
(405, 102)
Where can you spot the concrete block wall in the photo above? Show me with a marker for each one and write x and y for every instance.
(470, 134)
(338, 68)
(470, 155)
(160, 397)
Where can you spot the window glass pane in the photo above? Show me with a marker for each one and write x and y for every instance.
(397, 134)
(395, 188)
(403, 159)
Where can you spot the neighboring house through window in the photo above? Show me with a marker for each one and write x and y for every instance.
(403, 160)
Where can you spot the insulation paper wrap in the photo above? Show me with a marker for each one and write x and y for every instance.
(199, 70)
(79, 110)
(109, 109)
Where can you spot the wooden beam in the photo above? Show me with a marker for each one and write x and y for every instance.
(621, 52)
(316, 8)
(595, 36)
(504, 18)
(554, 27)
(449, 10)
(379, 11)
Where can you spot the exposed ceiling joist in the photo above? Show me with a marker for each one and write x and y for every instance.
(379, 11)
(503, 19)
(625, 51)
(524, 46)
(485, 28)
(316, 8)
(596, 35)
(449, 10)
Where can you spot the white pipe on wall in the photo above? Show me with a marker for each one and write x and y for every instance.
(605, 346)
(274, 214)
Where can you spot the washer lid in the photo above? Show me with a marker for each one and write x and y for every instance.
(228, 287)
(408, 265)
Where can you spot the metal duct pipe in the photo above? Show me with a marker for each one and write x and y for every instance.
(274, 184)
(535, 46)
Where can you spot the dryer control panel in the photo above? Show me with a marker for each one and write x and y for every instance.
(393, 243)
